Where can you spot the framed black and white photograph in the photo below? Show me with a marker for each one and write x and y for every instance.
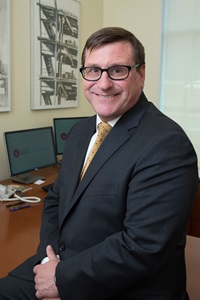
(5, 64)
(54, 53)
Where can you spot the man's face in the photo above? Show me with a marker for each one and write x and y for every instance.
(111, 98)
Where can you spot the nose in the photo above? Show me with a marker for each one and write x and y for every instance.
(105, 82)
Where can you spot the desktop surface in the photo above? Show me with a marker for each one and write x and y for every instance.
(19, 229)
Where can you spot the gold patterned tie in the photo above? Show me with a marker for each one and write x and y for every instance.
(103, 130)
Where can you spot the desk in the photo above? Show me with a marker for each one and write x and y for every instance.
(19, 231)
(193, 267)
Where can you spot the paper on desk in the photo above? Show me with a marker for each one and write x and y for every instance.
(38, 182)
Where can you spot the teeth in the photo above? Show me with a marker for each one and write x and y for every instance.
(106, 96)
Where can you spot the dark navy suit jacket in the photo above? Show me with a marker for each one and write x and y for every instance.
(120, 232)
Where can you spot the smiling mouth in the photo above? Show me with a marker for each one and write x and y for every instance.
(105, 96)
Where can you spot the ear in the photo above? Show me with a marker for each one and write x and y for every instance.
(141, 75)
(141, 71)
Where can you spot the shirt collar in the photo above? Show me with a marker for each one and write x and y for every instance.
(112, 122)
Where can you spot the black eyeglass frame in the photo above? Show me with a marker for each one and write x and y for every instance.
(129, 68)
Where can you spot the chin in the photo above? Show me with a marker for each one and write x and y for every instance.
(107, 116)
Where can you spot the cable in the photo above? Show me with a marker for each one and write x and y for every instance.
(30, 199)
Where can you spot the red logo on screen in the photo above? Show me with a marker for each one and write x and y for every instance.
(16, 153)
(63, 136)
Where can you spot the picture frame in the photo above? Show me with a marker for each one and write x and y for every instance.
(54, 53)
(5, 57)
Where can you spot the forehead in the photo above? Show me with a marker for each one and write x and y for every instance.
(113, 53)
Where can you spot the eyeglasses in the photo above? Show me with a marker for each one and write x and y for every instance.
(120, 72)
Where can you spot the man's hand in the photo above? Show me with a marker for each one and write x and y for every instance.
(44, 277)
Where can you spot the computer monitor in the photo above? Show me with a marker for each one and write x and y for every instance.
(62, 127)
(29, 150)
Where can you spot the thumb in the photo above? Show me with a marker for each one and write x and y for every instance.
(50, 253)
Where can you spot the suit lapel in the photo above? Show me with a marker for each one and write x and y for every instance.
(110, 145)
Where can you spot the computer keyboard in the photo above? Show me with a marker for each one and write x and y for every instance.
(47, 187)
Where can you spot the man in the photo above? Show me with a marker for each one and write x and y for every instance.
(118, 230)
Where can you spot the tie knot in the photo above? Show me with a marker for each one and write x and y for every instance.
(104, 128)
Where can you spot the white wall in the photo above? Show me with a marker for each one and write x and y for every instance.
(142, 17)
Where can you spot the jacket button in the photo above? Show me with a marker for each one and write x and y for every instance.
(62, 247)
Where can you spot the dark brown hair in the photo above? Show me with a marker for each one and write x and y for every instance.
(110, 35)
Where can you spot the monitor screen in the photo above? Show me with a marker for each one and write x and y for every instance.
(62, 127)
(29, 150)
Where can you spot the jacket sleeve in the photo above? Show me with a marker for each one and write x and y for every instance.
(49, 231)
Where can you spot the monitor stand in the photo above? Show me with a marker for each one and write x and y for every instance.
(27, 178)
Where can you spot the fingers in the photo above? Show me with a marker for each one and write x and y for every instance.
(44, 277)
(50, 253)
(35, 269)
